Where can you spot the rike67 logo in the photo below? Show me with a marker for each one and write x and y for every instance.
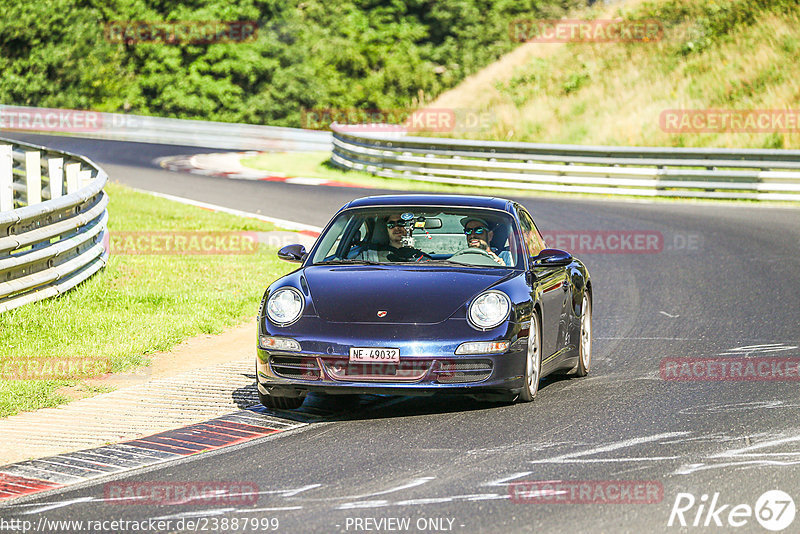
(774, 510)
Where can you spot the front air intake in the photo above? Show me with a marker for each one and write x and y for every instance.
(463, 371)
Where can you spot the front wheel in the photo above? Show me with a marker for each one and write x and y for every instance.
(533, 362)
(585, 349)
(280, 403)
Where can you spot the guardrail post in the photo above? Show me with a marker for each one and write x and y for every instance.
(55, 171)
(73, 169)
(33, 173)
(84, 178)
(6, 179)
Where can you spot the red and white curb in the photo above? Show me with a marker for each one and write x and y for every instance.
(229, 165)
(54, 472)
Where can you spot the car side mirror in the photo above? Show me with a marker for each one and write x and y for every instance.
(293, 253)
(551, 257)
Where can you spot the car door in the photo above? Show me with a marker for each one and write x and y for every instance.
(554, 286)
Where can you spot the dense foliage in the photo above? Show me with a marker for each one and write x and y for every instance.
(374, 54)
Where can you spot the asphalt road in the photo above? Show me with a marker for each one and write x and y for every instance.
(727, 282)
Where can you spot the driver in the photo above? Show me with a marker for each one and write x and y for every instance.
(397, 229)
(479, 235)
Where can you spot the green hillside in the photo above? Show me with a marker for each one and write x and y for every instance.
(717, 55)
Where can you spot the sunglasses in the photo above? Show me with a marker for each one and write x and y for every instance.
(392, 224)
(478, 230)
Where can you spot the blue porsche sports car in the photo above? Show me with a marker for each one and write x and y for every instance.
(423, 294)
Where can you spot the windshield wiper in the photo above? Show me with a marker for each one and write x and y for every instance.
(349, 261)
(458, 263)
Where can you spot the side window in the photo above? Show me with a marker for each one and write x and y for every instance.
(357, 237)
(529, 233)
(539, 238)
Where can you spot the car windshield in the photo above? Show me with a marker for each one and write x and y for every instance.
(422, 235)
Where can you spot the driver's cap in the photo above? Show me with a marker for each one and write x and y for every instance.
(466, 220)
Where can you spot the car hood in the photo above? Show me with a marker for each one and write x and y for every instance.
(414, 295)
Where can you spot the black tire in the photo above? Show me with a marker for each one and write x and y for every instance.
(585, 340)
(280, 403)
(533, 361)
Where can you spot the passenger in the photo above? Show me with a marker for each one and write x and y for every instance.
(479, 234)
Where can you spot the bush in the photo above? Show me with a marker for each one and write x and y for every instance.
(307, 54)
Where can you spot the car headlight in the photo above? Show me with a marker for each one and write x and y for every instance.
(489, 309)
(285, 306)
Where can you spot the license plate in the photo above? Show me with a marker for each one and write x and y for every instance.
(374, 354)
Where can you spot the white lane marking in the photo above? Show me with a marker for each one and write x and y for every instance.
(688, 469)
(747, 452)
(750, 448)
(738, 407)
(612, 460)
(292, 493)
(669, 314)
(423, 501)
(196, 513)
(56, 505)
(484, 497)
(765, 348)
(291, 225)
(431, 500)
(759, 454)
(504, 481)
(412, 484)
(362, 504)
(610, 447)
(273, 509)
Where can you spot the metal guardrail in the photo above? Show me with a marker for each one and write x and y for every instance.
(654, 172)
(52, 222)
(144, 129)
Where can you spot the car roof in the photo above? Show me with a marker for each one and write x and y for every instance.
(464, 201)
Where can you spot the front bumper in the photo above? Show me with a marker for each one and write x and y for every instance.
(428, 363)
(295, 374)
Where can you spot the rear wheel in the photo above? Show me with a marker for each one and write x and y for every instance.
(585, 349)
(533, 363)
(280, 403)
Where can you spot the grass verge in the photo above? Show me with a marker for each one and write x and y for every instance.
(137, 304)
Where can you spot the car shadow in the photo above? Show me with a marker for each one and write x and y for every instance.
(319, 407)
